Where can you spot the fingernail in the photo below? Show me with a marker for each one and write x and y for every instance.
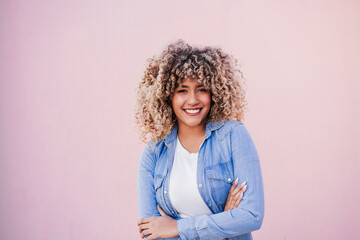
(237, 180)
(241, 195)
(243, 184)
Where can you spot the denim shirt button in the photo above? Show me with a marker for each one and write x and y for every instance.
(165, 191)
(209, 205)
(172, 212)
(200, 185)
(229, 179)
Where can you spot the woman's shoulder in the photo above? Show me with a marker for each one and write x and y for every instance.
(229, 126)
(153, 147)
(232, 123)
(233, 129)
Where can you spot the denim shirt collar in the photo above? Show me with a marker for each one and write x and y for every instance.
(210, 126)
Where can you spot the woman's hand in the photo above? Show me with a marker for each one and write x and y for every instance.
(158, 227)
(235, 195)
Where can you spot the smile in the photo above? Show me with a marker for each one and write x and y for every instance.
(192, 111)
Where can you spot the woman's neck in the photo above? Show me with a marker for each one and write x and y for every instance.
(187, 131)
(191, 137)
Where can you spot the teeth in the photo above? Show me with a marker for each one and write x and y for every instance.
(192, 111)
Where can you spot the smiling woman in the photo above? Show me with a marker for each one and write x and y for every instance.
(191, 104)
(189, 110)
(193, 99)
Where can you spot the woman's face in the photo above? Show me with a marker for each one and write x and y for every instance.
(191, 103)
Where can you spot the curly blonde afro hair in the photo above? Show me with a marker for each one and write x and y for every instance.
(216, 70)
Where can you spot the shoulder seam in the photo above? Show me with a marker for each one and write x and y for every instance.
(234, 124)
(154, 147)
(232, 131)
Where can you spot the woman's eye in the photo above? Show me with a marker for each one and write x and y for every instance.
(181, 91)
(202, 90)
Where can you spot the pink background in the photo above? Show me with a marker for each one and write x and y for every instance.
(68, 149)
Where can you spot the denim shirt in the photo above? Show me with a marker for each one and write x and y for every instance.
(227, 153)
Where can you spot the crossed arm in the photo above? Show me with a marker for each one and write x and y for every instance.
(166, 227)
(236, 220)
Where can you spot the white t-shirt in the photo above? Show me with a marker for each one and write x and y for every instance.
(183, 190)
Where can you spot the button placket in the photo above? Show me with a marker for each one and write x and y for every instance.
(171, 153)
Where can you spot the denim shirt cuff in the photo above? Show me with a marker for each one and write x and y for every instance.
(186, 228)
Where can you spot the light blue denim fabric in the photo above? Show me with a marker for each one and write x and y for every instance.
(227, 153)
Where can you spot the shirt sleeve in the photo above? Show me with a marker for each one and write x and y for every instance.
(146, 199)
(146, 196)
(248, 216)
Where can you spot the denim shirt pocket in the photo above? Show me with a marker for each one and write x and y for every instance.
(220, 179)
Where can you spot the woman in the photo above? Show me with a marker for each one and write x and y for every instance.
(190, 104)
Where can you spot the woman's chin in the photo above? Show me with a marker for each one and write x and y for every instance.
(194, 123)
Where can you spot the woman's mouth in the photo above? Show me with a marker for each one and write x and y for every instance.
(193, 112)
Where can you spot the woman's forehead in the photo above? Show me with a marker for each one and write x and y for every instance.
(186, 81)
(191, 80)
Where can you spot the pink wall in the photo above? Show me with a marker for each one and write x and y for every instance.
(68, 149)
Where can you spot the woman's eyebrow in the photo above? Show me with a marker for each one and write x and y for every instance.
(186, 86)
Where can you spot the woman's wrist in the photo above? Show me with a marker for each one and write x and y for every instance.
(176, 229)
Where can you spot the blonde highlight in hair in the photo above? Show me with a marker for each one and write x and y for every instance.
(216, 70)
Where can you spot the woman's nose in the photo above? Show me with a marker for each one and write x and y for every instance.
(193, 98)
